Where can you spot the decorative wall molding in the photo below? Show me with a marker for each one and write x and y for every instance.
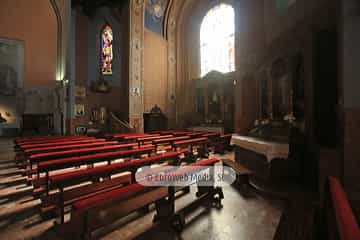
(136, 59)
(171, 34)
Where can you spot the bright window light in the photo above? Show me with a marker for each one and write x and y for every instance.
(217, 41)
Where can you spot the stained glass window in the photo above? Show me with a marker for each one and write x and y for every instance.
(217, 40)
(106, 50)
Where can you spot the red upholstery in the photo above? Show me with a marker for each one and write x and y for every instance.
(118, 194)
(172, 139)
(194, 167)
(347, 226)
(53, 140)
(110, 169)
(135, 137)
(210, 135)
(120, 134)
(22, 140)
(59, 154)
(229, 135)
(194, 140)
(28, 146)
(195, 134)
(88, 159)
(121, 193)
(153, 138)
(68, 147)
(205, 162)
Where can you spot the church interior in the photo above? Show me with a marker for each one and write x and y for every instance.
(180, 119)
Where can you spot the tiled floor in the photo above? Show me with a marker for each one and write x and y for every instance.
(244, 215)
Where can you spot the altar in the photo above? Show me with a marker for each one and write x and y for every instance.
(268, 159)
(274, 147)
(270, 149)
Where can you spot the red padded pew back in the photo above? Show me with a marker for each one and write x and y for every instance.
(74, 138)
(78, 152)
(67, 142)
(348, 228)
(68, 147)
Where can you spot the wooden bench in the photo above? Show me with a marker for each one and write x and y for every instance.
(98, 211)
(303, 219)
(52, 140)
(111, 136)
(36, 158)
(49, 138)
(143, 140)
(61, 181)
(211, 135)
(168, 141)
(195, 134)
(21, 157)
(196, 143)
(68, 147)
(242, 173)
(61, 143)
(48, 166)
(340, 218)
(133, 138)
(171, 132)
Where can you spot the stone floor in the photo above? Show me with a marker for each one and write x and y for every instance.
(244, 215)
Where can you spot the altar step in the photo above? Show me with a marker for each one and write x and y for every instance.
(242, 173)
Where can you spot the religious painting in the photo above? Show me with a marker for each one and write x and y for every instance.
(154, 15)
(11, 66)
(106, 50)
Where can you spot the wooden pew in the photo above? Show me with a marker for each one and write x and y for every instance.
(40, 141)
(48, 166)
(36, 158)
(61, 181)
(68, 147)
(211, 135)
(23, 154)
(143, 140)
(113, 135)
(200, 144)
(195, 134)
(172, 132)
(61, 143)
(102, 209)
(339, 215)
(132, 137)
(168, 141)
(45, 138)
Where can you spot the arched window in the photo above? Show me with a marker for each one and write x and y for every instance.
(106, 55)
(217, 40)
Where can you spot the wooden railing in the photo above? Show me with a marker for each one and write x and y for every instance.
(118, 126)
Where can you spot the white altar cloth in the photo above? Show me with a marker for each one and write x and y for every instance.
(269, 149)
